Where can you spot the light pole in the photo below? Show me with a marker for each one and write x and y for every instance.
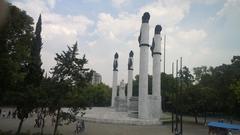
(172, 100)
(181, 77)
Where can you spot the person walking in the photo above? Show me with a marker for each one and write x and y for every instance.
(78, 127)
(9, 114)
(82, 125)
(4, 114)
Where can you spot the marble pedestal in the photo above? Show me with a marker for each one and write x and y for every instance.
(154, 107)
(133, 107)
(121, 104)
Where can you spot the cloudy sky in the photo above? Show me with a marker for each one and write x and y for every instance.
(203, 32)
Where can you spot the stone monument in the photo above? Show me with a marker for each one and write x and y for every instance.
(115, 79)
(155, 108)
(145, 107)
(130, 76)
(121, 99)
(143, 67)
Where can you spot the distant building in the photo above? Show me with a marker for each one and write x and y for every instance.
(96, 78)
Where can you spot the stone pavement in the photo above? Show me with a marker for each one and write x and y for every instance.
(93, 128)
(102, 129)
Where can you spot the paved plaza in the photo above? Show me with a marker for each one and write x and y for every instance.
(103, 129)
(97, 128)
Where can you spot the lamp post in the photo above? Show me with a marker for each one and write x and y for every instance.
(176, 108)
(181, 77)
(172, 101)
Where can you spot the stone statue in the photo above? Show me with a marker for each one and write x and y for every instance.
(139, 38)
(152, 47)
(130, 61)
(145, 19)
(122, 94)
(115, 62)
(158, 29)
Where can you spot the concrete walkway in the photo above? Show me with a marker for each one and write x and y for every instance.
(102, 129)
(93, 128)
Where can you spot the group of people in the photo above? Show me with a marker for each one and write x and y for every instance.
(9, 114)
(80, 126)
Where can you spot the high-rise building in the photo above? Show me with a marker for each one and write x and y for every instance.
(96, 78)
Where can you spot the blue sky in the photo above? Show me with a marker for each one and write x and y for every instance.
(203, 32)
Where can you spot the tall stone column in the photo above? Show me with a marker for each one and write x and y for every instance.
(115, 79)
(130, 77)
(156, 81)
(143, 68)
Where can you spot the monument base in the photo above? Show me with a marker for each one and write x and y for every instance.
(109, 115)
(133, 107)
(154, 107)
(121, 104)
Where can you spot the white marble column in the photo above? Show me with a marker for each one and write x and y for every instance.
(130, 77)
(115, 79)
(143, 68)
(156, 53)
(156, 81)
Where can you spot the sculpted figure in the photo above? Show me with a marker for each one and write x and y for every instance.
(115, 62)
(130, 61)
(145, 19)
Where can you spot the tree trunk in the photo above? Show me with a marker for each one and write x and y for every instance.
(19, 127)
(43, 121)
(42, 126)
(205, 117)
(57, 121)
(196, 119)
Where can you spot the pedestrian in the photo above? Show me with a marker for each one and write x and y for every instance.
(82, 125)
(14, 114)
(53, 120)
(78, 127)
(0, 112)
(36, 123)
(4, 114)
(9, 114)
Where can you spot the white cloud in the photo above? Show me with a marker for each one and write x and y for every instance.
(119, 33)
(51, 3)
(169, 13)
(58, 30)
(119, 3)
(192, 36)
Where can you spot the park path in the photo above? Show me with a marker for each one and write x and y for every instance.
(7, 124)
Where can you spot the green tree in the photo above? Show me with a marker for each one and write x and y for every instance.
(168, 91)
(70, 77)
(135, 85)
(33, 77)
(187, 77)
(98, 95)
(199, 72)
(35, 72)
(16, 39)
